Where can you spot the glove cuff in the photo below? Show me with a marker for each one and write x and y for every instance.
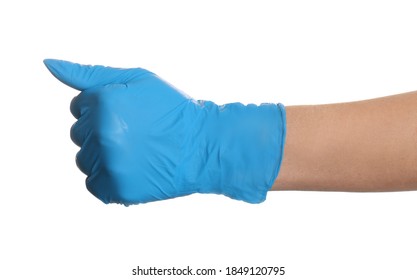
(235, 150)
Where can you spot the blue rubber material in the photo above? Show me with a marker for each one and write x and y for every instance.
(144, 140)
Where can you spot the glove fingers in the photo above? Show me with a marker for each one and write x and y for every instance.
(82, 103)
(89, 100)
(87, 159)
(75, 106)
(79, 131)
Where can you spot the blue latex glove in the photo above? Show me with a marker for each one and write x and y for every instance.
(144, 140)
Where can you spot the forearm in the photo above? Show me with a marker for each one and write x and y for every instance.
(367, 145)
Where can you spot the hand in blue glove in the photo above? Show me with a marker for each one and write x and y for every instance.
(144, 140)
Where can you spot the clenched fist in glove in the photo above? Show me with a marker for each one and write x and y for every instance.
(144, 140)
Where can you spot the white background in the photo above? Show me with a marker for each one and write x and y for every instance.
(294, 52)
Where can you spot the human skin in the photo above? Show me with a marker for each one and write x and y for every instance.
(363, 146)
